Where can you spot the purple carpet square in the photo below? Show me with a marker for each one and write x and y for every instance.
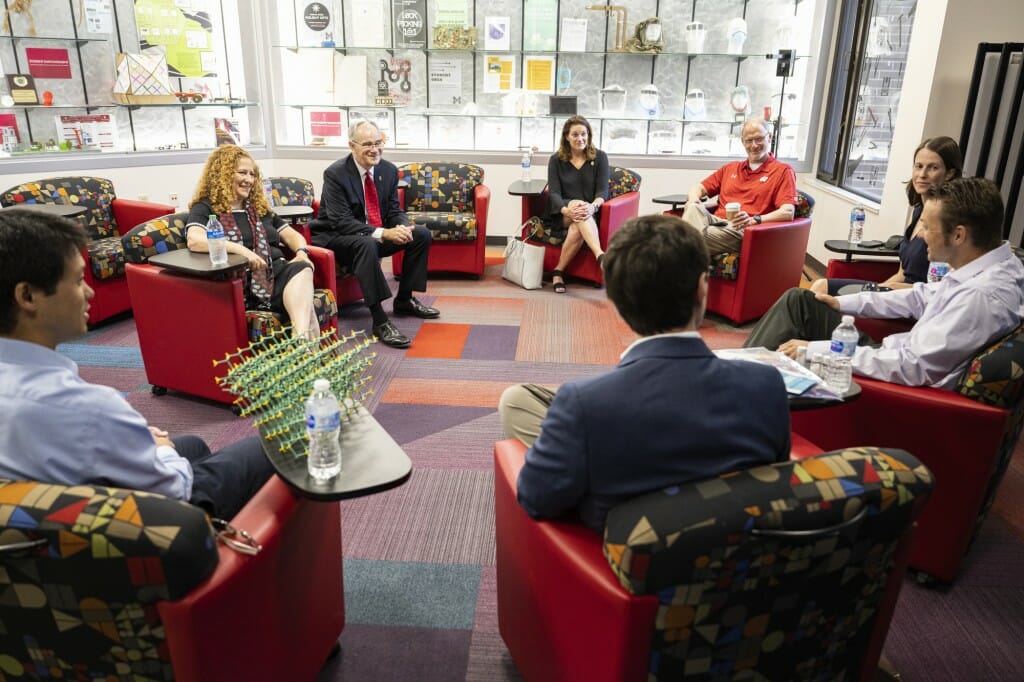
(369, 652)
(406, 423)
(491, 342)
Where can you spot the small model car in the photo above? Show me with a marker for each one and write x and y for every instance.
(186, 97)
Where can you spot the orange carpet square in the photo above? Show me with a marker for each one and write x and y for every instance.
(437, 340)
(453, 392)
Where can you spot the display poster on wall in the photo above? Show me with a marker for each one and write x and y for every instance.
(325, 123)
(368, 23)
(539, 74)
(496, 33)
(540, 25)
(410, 23)
(317, 26)
(91, 131)
(182, 28)
(394, 84)
(48, 62)
(99, 16)
(445, 80)
(500, 73)
(451, 12)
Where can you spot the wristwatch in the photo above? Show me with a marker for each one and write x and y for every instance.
(306, 251)
(757, 219)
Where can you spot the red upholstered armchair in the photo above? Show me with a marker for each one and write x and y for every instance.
(451, 200)
(185, 323)
(623, 203)
(709, 579)
(966, 437)
(106, 220)
(744, 285)
(151, 594)
(868, 270)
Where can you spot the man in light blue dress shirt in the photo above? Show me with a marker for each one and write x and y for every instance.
(57, 428)
(978, 302)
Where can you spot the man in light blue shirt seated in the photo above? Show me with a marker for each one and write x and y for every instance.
(57, 428)
(978, 302)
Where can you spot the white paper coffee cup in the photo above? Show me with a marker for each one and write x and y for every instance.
(732, 209)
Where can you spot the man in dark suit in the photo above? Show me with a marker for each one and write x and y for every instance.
(360, 221)
(669, 413)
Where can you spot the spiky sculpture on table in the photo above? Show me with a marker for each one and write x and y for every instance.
(272, 377)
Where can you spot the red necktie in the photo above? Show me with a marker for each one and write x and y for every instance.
(372, 202)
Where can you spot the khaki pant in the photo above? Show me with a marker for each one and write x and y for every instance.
(719, 239)
(522, 409)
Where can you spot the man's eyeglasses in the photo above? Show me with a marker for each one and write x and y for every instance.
(754, 140)
(376, 144)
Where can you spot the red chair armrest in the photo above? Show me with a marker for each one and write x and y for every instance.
(558, 600)
(481, 204)
(616, 211)
(129, 213)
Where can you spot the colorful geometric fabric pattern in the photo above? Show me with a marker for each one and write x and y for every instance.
(167, 233)
(106, 259)
(160, 235)
(440, 196)
(82, 605)
(727, 265)
(95, 194)
(620, 181)
(771, 573)
(996, 377)
(290, 192)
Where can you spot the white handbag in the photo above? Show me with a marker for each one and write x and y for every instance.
(524, 263)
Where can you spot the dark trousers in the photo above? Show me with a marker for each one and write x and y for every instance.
(225, 480)
(797, 315)
(361, 254)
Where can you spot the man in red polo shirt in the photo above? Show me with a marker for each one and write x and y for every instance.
(764, 188)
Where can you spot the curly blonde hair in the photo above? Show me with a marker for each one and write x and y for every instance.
(216, 186)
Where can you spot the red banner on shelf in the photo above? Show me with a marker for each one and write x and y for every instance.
(48, 62)
(325, 123)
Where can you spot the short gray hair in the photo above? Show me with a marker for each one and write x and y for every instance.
(353, 127)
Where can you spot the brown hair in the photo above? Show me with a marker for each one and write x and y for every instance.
(564, 151)
(949, 151)
(216, 185)
(974, 203)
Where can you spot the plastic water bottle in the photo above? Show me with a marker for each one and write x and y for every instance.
(525, 167)
(216, 241)
(937, 270)
(856, 235)
(839, 370)
(323, 424)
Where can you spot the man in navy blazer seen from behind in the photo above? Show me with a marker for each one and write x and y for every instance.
(360, 221)
(670, 411)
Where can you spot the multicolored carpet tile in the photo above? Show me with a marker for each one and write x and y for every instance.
(419, 559)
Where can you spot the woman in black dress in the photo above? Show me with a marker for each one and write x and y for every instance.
(577, 186)
(232, 189)
(936, 160)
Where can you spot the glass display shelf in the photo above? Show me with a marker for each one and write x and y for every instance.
(59, 106)
(77, 39)
(481, 50)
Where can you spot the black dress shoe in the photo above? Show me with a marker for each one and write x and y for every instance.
(415, 308)
(389, 335)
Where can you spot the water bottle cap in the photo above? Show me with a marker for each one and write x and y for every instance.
(321, 385)
(847, 319)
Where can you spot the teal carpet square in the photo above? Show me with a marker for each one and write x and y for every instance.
(411, 593)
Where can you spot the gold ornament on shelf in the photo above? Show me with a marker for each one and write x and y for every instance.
(20, 7)
(646, 37)
(620, 23)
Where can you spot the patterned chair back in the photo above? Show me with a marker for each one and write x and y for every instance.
(771, 573)
(994, 377)
(83, 589)
(441, 195)
(621, 181)
(160, 235)
(804, 204)
(291, 192)
(96, 194)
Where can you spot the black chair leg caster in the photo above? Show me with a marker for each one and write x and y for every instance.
(159, 390)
